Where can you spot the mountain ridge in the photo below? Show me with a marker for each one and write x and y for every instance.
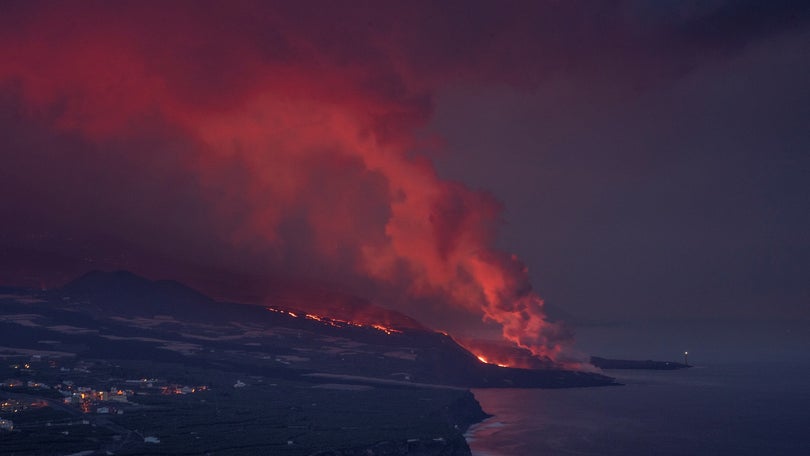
(120, 314)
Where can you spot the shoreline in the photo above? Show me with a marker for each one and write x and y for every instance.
(469, 434)
(487, 422)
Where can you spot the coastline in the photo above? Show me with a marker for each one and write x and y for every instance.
(460, 415)
(483, 425)
(670, 413)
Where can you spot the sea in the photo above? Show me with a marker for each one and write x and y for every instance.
(740, 408)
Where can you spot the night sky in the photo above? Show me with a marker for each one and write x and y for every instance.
(628, 160)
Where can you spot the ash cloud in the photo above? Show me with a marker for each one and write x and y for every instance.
(228, 144)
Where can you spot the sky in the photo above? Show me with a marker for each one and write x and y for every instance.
(622, 160)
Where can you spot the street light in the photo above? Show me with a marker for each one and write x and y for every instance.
(686, 358)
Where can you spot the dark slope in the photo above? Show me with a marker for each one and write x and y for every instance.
(125, 293)
(120, 311)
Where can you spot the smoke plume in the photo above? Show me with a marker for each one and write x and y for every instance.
(216, 140)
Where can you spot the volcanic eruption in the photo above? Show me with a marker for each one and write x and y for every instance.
(252, 139)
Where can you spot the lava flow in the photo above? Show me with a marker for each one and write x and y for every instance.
(336, 322)
(486, 361)
(503, 354)
(497, 353)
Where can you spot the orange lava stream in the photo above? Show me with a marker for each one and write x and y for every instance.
(336, 322)
(485, 361)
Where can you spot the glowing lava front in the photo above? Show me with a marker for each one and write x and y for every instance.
(503, 354)
(484, 360)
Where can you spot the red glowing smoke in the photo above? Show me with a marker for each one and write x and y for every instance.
(297, 129)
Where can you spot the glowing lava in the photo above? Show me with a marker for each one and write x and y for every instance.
(336, 322)
(504, 354)
(485, 361)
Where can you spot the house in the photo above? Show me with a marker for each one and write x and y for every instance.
(12, 383)
(6, 425)
(12, 405)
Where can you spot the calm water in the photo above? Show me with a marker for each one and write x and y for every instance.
(709, 410)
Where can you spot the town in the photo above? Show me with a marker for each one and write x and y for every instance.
(41, 394)
(67, 405)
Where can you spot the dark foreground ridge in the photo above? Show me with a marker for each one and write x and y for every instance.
(163, 369)
(604, 363)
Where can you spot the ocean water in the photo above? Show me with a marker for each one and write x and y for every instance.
(732, 409)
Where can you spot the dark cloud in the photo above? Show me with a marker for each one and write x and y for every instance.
(688, 199)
